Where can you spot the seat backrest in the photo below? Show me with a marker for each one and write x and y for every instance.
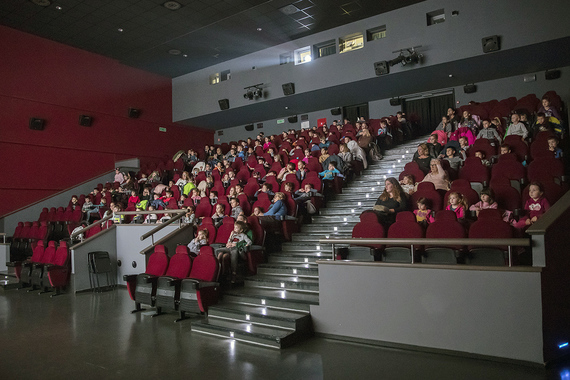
(205, 266)
(49, 253)
(445, 227)
(157, 262)
(18, 230)
(474, 171)
(61, 258)
(405, 227)
(224, 231)
(507, 197)
(315, 181)
(427, 190)
(510, 169)
(180, 264)
(368, 227)
(38, 252)
(257, 229)
(204, 208)
(251, 187)
(211, 231)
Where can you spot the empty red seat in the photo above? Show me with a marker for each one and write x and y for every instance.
(473, 170)
(168, 286)
(489, 225)
(369, 228)
(201, 290)
(405, 227)
(445, 226)
(142, 287)
(58, 271)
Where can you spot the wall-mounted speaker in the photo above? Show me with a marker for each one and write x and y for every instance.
(491, 43)
(552, 74)
(292, 119)
(469, 88)
(395, 102)
(37, 124)
(134, 113)
(381, 68)
(224, 104)
(336, 111)
(288, 88)
(85, 120)
(249, 127)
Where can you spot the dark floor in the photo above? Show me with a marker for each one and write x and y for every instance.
(94, 336)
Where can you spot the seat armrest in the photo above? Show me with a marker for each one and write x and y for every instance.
(171, 280)
(129, 277)
(14, 264)
(151, 279)
(206, 284)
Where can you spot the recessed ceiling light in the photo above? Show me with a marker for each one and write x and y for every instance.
(172, 5)
(451, 75)
(289, 9)
(259, 29)
(43, 3)
(185, 55)
(121, 30)
(59, 8)
(174, 52)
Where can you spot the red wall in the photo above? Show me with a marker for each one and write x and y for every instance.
(55, 82)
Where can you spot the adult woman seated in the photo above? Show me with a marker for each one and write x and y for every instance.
(392, 200)
(279, 206)
(423, 158)
(437, 176)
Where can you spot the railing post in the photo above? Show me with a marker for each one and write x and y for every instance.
(333, 255)
(510, 250)
(412, 252)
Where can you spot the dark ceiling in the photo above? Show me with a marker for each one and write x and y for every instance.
(140, 33)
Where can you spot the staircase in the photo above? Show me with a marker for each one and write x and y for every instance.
(273, 307)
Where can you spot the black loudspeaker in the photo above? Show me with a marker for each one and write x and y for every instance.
(224, 104)
(85, 120)
(37, 124)
(381, 68)
(288, 88)
(336, 111)
(395, 102)
(490, 44)
(292, 119)
(134, 113)
(469, 88)
(552, 74)
(249, 127)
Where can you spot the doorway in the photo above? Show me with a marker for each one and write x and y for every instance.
(428, 111)
(354, 112)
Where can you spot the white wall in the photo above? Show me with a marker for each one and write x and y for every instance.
(519, 23)
(493, 313)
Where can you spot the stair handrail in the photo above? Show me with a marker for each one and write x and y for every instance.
(96, 223)
(481, 242)
(163, 239)
(176, 218)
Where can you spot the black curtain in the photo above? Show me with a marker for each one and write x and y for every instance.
(353, 112)
(429, 110)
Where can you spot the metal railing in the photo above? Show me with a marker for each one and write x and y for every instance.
(83, 230)
(513, 242)
(176, 218)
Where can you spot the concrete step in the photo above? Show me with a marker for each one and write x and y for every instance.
(308, 261)
(281, 269)
(327, 228)
(276, 299)
(334, 219)
(313, 238)
(289, 283)
(259, 315)
(246, 332)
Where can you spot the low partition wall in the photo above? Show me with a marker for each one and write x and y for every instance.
(494, 312)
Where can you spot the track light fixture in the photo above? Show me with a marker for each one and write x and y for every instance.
(253, 92)
(407, 56)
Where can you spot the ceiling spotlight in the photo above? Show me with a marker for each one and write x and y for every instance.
(120, 30)
(58, 7)
(254, 91)
(172, 5)
(259, 29)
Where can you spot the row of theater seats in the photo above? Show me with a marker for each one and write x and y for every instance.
(489, 225)
(49, 267)
(180, 283)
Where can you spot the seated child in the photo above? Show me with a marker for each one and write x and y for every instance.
(481, 155)
(553, 147)
(237, 245)
(257, 211)
(157, 202)
(536, 206)
(190, 216)
(218, 215)
(408, 184)
(236, 208)
(488, 133)
(331, 172)
(195, 196)
(487, 201)
(165, 218)
(181, 201)
(200, 240)
(150, 218)
(457, 204)
(423, 213)
(453, 159)
(213, 197)
(134, 198)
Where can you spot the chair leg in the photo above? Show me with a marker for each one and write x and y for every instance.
(46, 290)
(158, 312)
(182, 316)
(57, 293)
(137, 308)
